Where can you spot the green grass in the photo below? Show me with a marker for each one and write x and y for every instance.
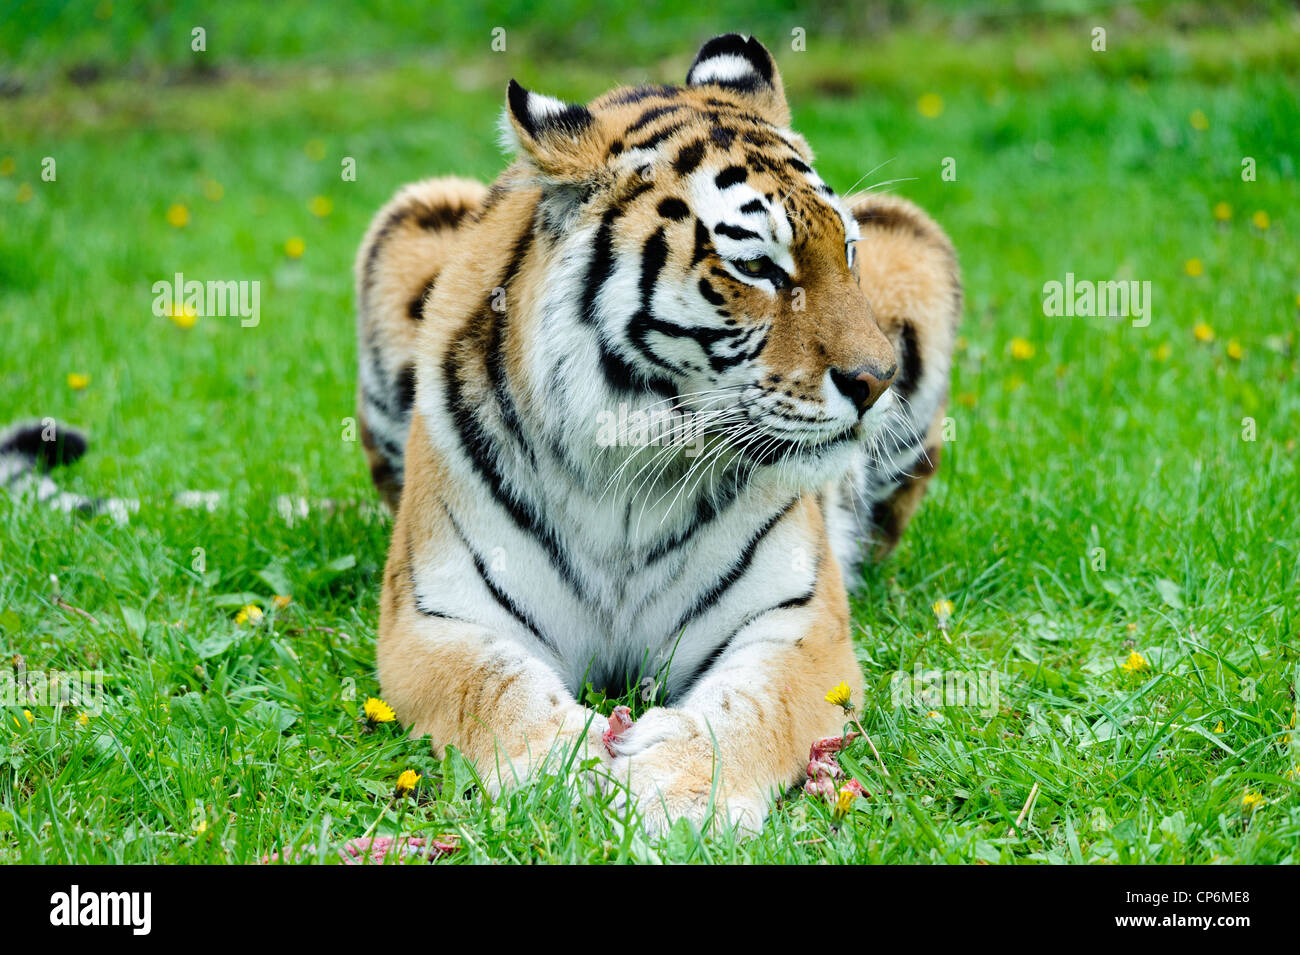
(1128, 440)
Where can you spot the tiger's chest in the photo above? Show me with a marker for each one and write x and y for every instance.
(620, 593)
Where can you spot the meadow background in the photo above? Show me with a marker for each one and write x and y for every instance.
(1115, 547)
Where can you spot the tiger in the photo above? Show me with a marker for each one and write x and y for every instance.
(662, 249)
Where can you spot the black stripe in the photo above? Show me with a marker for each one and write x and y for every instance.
(703, 243)
(650, 115)
(495, 356)
(502, 598)
(675, 209)
(710, 296)
(650, 142)
(621, 376)
(707, 510)
(653, 257)
(601, 263)
(477, 446)
(734, 572)
(752, 206)
(441, 216)
(690, 156)
(405, 386)
(735, 232)
(722, 136)
(420, 607)
(495, 194)
(416, 308)
(433, 218)
(377, 401)
(802, 600)
(731, 176)
(643, 93)
(911, 371)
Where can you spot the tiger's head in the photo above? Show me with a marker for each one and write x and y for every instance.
(696, 260)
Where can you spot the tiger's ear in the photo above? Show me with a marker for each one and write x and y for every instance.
(742, 65)
(560, 139)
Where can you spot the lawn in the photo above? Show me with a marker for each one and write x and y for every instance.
(1114, 524)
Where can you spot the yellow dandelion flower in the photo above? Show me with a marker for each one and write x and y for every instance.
(840, 695)
(1261, 220)
(78, 381)
(1235, 350)
(1222, 211)
(942, 609)
(1135, 662)
(83, 719)
(8, 166)
(377, 711)
(25, 193)
(295, 247)
(281, 601)
(934, 715)
(406, 782)
(184, 316)
(1251, 801)
(844, 801)
(178, 216)
(1293, 773)
(1164, 351)
(1021, 349)
(1203, 332)
(1219, 728)
(315, 150)
(321, 206)
(251, 613)
(29, 717)
(213, 191)
(1194, 267)
(201, 828)
(1199, 120)
(930, 105)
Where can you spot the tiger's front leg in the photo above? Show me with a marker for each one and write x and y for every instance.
(742, 733)
(492, 696)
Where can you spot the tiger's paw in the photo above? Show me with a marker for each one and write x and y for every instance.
(577, 753)
(665, 767)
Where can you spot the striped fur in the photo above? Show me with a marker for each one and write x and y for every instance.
(29, 450)
(663, 248)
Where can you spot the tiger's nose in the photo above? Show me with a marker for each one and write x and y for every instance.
(863, 386)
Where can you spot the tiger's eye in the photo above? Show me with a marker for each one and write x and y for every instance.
(752, 266)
